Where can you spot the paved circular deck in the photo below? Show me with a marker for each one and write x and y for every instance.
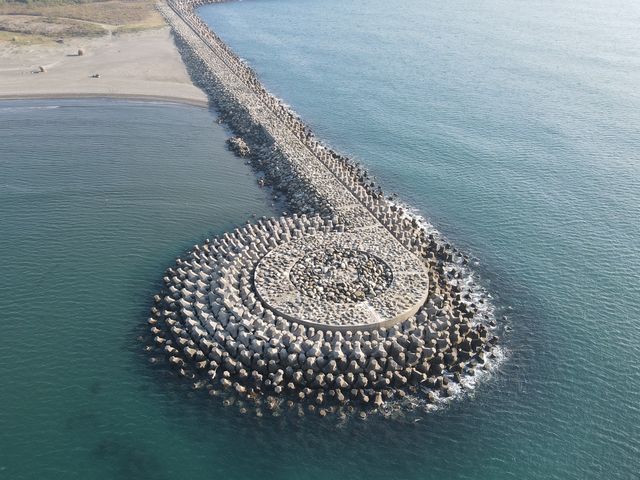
(342, 281)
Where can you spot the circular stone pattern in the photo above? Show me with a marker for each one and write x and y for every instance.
(341, 275)
(342, 281)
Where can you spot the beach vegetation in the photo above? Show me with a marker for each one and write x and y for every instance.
(76, 18)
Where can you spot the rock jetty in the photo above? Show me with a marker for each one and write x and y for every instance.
(347, 302)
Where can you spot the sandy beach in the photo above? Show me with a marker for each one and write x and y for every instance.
(143, 65)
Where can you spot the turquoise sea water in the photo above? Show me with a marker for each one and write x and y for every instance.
(514, 127)
(97, 198)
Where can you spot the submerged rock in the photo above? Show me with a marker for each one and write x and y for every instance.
(238, 146)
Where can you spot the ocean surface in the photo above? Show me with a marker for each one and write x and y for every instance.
(513, 127)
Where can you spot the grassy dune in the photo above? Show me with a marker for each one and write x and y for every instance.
(41, 20)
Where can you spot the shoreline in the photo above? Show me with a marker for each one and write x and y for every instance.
(142, 65)
(111, 96)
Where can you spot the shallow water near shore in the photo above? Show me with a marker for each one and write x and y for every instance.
(509, 156)
(97, 198)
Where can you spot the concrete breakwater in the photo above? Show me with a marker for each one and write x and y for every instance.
(347, 301)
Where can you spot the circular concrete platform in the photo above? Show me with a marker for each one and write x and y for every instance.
(342, 281)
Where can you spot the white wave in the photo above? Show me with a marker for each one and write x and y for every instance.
(486, 315)
(34, 107)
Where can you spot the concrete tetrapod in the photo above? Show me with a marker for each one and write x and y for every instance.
(349, 301)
